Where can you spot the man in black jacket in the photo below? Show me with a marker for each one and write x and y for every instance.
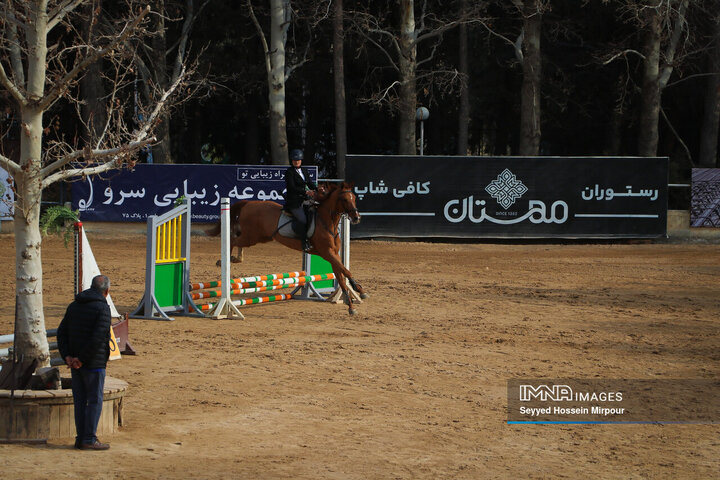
(299, 188)
(84, 342)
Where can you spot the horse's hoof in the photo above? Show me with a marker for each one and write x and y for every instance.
(235, 260)
(364, 296)
(352, 311)
(218, 263)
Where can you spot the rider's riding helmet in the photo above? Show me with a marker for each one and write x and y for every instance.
(296, 154)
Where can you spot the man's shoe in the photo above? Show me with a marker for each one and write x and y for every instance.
(77, 444)
(96, 445)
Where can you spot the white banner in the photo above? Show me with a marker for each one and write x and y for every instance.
(7, 196)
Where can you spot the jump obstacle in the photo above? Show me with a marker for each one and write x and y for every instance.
(168, 289)
(167, 265)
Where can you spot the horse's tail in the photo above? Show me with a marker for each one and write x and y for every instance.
(214, 231)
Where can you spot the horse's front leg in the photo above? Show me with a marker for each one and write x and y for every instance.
(355, 285)
(239, 258)
(344, 289)
(233, 259)
(341, 274)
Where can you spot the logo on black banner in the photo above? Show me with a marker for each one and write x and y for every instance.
(506, 188)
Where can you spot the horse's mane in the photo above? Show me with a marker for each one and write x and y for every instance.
(326, 190)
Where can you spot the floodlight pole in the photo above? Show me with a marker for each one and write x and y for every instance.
(422, 114)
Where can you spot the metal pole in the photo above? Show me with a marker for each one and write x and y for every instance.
(225, 308)
(422, 137)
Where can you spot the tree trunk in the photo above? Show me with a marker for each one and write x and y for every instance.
(532, 74)
(650, 98)
(464, 110)
(711, 118)
(161, 149)
(251, 141)
(614, 128)
(94, 113)
(93, 110)
(339, 83)
(30, 335)
(279, 20)
(407, 65)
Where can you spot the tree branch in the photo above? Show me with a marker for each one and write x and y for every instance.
(9, 165)
(369, 24)
(517, 44)
(59, 12)
(298, 62)
(138, 140)
(680, 24)
(466, 19)
(680, 80)
(382, 95)
(149, 124)
(16, 64)
(11, 87)
(266, 49)
(62, 84)
(190, 17)
(364, 29)
(430, 56)
(623, 54)
(672, 129)
(117, 155)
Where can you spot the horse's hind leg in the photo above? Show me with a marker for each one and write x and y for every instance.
(236, 241)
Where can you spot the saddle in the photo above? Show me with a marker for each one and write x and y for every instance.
(288, 226)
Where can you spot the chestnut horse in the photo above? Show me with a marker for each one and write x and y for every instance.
(255, 221)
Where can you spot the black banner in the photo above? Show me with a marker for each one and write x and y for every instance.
(496, 197)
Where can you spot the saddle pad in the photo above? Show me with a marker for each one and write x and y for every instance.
(285, 229)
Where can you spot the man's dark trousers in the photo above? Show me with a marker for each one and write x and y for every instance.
(87, 388)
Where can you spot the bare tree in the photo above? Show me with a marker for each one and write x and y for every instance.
(665, 27)
(399, 47)
(92, 90)
(339, 87)
(531, 59)
(711, 116)
(464, 97)
(280, 16)
(160, 59)
(41, 76)
(527, 47)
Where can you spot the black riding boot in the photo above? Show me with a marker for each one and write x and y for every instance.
(305, 241)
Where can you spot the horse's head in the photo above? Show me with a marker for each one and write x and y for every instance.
(346, 201)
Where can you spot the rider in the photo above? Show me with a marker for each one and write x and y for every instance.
(301, 191)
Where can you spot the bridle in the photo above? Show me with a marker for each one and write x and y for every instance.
(334, 232)
(353, 210)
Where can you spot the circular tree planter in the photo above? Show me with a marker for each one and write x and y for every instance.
(36, 416)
